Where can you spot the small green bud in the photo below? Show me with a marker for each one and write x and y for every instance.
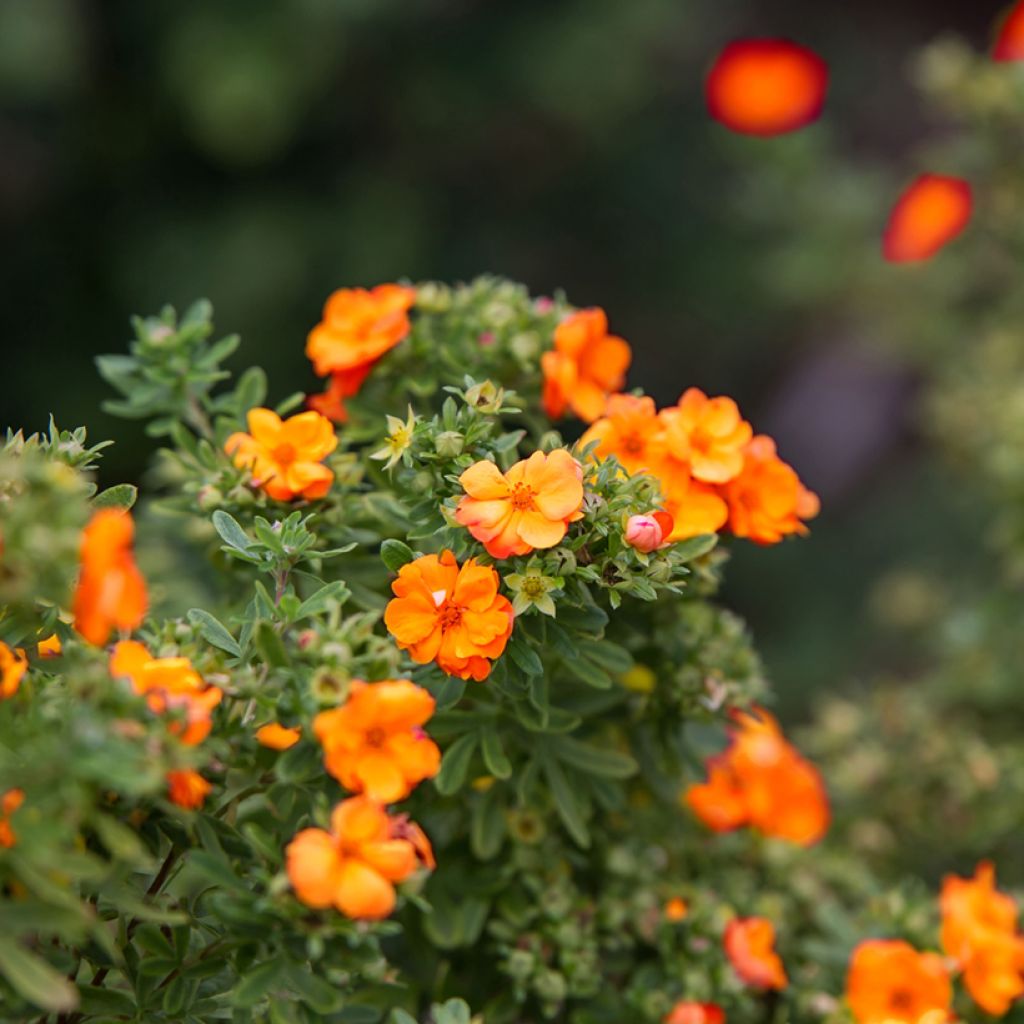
(520, 964)
(449, 444)
(550, 986)
(329, 686)
(433, 297)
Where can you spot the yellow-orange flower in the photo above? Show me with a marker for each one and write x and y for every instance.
(111, 593)
(629, 429)
(979, 931)
(454, 616)
(284, 457)
(355, 865)
(761, 780)
(890, 981)
(187, 789)
(687, 1012)
(358, 327)
(277, 737)
(695, 508)
(750, 946)
(13, 665)
(9, 803)
(586, 365)
(168, 684)
(374, 743)
(767, 501)
(49, 647)
(676, 909)
(529, 507)
(708, 434)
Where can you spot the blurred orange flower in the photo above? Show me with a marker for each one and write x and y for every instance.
(187, 789)
(355, 865)
(890, 981)
(358, 327)
(1009, 43)
(111, 593)
(454, 616)
(13, 665)
(374, 743)
(708, 434)
(586, 365)
(49, 647)
(676, 909)
(9, 803)
(750, 946)
(761, 780)
(277, 737)
(168, 684)
(529, 507)
(767, 501)
(979, 932)
(930, 212)
(284, 457)
(631, 430)
(341, 385)
(694, 1013)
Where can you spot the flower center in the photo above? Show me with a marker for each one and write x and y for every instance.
(522, 497)
(633, 444)
(901, 1000)
(449, 615)
(375, 737)
(533, 586)
(284, 453)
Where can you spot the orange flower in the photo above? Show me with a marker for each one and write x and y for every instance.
(708, 434)
(358, 327)
(762, 781)
(979, 931)
(1010, 38)
(353, 867)
(454, 616)
(111, 592)
(631, 431)
(586, 365)
(277, 737)
(13, 665)
(168, 683)
(50, 647)
(767, 501)
(187, 789)
(285, 457)
(694, 1013)
(529, 507)
(342, 385)
(695, 508)
(750, 946)
(676, 909)
(889, 981)
(9, 803)
(930, 212)
(374, 743)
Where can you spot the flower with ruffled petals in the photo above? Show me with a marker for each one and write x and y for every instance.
(285, 456)
(529, 507)
(449, 614)
(629, 429)
(686, 1012)
(750, 946)
(586, 365)
(9, 803)
(111, 593)
(355, 866)
(275, 736)
(375, 744)
(890, 981)
(187, 789)
(13, 665)
(708, 434)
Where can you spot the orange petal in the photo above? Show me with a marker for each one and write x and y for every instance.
(1009, 43)
(314, 867)
(932, 211)
(484, 481)
(363, 892)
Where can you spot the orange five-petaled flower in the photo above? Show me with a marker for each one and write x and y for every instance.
(454, 616)
(890, 981)
(168, 684)
(285, 457)
(355, 865)
(750, 946)
(529, 507)
(766, 86)
(13, 664)
(932, 211)
(111, 593)
(9, 803)
(761, 780)
(187, 789)
(375, 744)
(586, 365)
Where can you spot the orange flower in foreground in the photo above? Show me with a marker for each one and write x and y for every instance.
(979, 931)
(767, 501)
(187, 789)
(586, 365)
(766, 86)
(930, 212)
(1010, 38)
(277, 737)
(374, 743)
(168, 684)
(631, 430)
(761, 780)
(111, 593)
(750, 946)
(529, 507)
(284, 457)
(355, 865)
(889, 981)
(50, 647)
(13, 665)
(358, 327)
(9, 803)
(708, 434)
(685, 1012)
(454, 616)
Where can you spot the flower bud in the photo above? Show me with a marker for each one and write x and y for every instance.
(449, 444)
(646, 533)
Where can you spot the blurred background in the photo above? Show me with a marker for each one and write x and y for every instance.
(263, 154)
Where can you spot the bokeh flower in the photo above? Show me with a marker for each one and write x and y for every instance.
(13, 665)
(749, 944)
(686, 1012)
(275, 736)
(9, 803)
(676, 909)
(187, 789)
(930, 212)
(1009, 44)
(890, 981)
(49, 647)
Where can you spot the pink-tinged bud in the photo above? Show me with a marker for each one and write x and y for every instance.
(647, 533)
(544, 305)
(486, 339)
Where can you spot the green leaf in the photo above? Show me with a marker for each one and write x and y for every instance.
(609, 764)
(251, 389)
(589, 673)
(213, 631)
(567, 803)
(694, 547)
(214, 869)
(118, 496)
(257, 982)
(317, 994)
(609, 656)
(487, 826)
(450, 693)
(525, 657)
(230, 532)
(35, 980)
(106, 1001)
(455, 765)
(495, 758)
(270, 646)
(394, 554)
(334, 593)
